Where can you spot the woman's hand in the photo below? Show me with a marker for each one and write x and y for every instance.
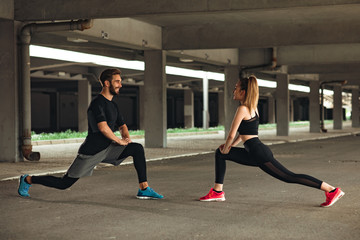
(223, 150)
(221, 147)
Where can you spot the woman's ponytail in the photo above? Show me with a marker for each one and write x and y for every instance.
(252, 92)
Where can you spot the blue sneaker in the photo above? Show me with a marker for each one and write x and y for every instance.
(23, 187)
(148, 193)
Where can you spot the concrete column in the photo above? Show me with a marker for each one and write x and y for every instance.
(337, 112)
(355, 116)
(282, 105)
(84, 99)
(188, 108)
(206, 117)
(314, 107)
(221, 108)
(230, 106)
(292, 110)
(155, 99)
(141, 108)
(9, 111)
(271, 109)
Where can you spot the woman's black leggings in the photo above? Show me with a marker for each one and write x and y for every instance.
(259, 155)
(135, 150)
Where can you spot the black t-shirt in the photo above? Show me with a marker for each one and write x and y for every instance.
(100, 109)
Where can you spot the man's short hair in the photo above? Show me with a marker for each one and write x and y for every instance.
(107, 74)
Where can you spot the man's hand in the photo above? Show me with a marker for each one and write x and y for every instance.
(124, 142)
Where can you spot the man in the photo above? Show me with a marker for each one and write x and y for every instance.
(101, 144)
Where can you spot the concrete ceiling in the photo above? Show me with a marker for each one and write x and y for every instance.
(310, 36)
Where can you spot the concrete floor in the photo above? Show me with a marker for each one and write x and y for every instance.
(257, 207)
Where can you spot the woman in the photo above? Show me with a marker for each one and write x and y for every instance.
(255, 153)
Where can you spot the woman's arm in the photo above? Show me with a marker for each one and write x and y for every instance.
(236, 141)
(230, 140)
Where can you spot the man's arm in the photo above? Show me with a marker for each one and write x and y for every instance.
(105, 129)
(124, 131)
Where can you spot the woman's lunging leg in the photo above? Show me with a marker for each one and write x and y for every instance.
(238, 155)
(275, 169)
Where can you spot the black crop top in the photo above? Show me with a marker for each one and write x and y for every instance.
(249, 127)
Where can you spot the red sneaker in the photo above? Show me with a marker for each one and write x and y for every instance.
(332, 197)
(213, 196)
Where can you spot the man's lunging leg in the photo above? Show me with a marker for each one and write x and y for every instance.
(136, 150)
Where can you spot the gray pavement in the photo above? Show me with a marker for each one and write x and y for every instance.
(56, 156)
(257, 207)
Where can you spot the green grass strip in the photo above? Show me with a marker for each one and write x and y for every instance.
(74, 134)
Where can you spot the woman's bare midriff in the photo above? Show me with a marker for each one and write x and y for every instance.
(244, 138)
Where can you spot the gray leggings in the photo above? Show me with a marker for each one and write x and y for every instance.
(259, 155)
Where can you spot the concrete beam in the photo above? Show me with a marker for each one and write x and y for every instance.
(325, 68)
(120, 32)
(7, 9)
(38, 64)
(265, 34)
(64, 76)
(305, 77)
(60, 10)
(307, 58)
(352, 78)
(123, 32)
(319, 54)
(255, 56)
(105, 37)
(215, 56)
(98, 47)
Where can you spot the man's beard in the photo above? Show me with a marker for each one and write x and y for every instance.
(112, 90)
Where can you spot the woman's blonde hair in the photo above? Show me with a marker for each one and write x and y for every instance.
(251, 88)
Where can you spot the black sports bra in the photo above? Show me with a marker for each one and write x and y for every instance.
(249, 127)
